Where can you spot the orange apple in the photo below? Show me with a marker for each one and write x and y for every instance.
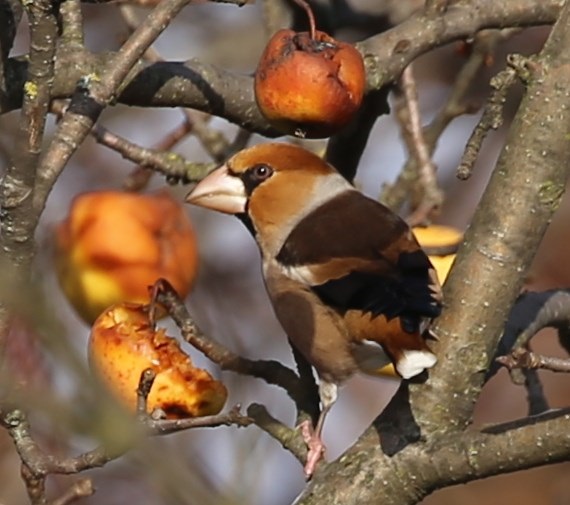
(114, 245)
(309, 87)
(123, 343)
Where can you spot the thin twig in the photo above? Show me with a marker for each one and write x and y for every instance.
(523, 358)
(345, 148)
(167, 426)
(531, 312)
(273, 372)
(72, 25)
(146, 381)
(394, 195)
(79, 489)
(213, 141)
(492, 118)
(37, 465)
(172, 165)
(41, 464)
(10, 15)
(257, 414)
(537, 402)
(312, 23)
(428, 195)
(17, 189)
(290, 439)
(140, 176)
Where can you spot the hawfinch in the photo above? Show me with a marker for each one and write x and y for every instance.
(347, 279)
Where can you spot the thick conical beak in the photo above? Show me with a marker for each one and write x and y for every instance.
(220, 191)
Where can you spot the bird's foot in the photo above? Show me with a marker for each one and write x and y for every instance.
(315, 445)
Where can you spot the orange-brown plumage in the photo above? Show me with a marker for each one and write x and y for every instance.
(343, 272)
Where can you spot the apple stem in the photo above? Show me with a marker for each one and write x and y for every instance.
(312, 25)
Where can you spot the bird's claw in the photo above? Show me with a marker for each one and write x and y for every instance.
(315, 445)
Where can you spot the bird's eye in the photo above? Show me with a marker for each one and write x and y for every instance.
(261, 172)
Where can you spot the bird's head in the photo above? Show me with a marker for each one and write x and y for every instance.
(273, 185)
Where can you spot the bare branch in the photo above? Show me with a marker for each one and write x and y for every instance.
(172, 165)
(290, 439)
(143, 390)
(273, 372)
(346, 147)
(394, 195)
(141, 175)
(523, 358)
(80, 489)
(498, 238)
(10, 15)
(388, 53)
(167, 426)
(16, 190)
(459, 458)
(213, 141)
(427, 197)
(536, 440)
(492, 118)
(72, 25)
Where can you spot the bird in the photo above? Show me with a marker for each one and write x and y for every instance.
(348, 281)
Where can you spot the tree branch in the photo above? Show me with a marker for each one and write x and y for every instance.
(533, 169)
(395, 195)
(80, 489)
(386, 55)
(273, 372)
(170, 164)
(428, 196)
(17, 186)
(523, 358)
(10, 15)
(492, 118)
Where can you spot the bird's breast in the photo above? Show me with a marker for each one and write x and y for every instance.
(315, 329)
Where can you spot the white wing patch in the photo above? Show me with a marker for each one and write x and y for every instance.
(413, 363)
(299, 273)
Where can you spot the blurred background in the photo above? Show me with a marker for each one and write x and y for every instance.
(228, 301)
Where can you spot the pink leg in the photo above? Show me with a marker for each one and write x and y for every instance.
(312, 437)
(315, 445)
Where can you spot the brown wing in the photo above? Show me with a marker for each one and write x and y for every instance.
(361, 256)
